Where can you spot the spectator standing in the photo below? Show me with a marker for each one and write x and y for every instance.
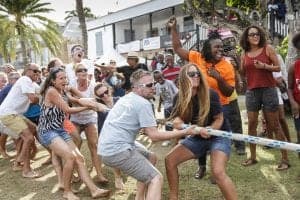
(170, 72)
(258, 61)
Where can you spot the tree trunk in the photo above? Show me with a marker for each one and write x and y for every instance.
(81, 17)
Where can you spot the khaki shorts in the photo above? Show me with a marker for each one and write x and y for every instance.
(13, 125)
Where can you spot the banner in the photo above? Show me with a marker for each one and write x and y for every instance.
(151, 43)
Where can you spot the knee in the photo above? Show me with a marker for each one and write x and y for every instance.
(218, 173)
(169, 162)
(158, 180)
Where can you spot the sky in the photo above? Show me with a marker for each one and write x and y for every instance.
(98, 7)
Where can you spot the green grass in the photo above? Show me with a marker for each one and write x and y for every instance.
(258, 182)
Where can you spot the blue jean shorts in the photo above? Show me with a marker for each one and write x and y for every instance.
(46, 137)
(200, 146)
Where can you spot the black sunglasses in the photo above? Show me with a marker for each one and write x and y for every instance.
(35, 70)
(148, 85)
(102, 95)
(254, 34)
(193, 74)
(81, 70)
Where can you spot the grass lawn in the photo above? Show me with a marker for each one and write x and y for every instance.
(260, 181)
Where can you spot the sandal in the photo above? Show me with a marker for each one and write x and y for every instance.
(249, 162)
(283, 165)
(32, 174)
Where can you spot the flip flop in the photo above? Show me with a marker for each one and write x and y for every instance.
(249, 162)
(31, 174)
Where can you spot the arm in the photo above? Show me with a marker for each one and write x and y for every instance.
(273, 57)
(33, 97)
(183, 53)
(224, 87)
(156, 135)
(242, 69)
(56, 99)
(294, 104)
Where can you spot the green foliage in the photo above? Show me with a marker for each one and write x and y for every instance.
(73, 13)
(246, 5)
(26, 25)
(282, 49)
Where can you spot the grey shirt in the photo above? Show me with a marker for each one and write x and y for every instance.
(131, 113)
(167, 91)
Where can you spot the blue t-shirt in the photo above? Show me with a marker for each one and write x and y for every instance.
(131, 113)
(4, 92)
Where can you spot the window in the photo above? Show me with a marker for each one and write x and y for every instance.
(154, 33)
(188, 23)
(99, 44)
(127, 35)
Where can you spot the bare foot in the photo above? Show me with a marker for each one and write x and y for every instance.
(119, 183)
(31, 174)
(61, 187)
(101, 179)
(70, 196)
(100, 193)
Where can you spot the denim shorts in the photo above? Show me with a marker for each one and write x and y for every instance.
(46, 137)
(200, 146)
(133, 163)
(262, 97)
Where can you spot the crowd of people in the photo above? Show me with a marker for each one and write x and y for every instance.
(111, 105)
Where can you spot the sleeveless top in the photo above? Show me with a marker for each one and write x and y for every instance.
(51, 118)
(296, 86)
(258, 78)
(86, 116)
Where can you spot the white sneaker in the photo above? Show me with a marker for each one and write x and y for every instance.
(166, 143)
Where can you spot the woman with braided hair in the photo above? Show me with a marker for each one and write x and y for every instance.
(217, 71)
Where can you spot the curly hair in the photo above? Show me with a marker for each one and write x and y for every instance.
(206, 50)
(296, 41)
(184, 104)
(244, 43)
(49, 80)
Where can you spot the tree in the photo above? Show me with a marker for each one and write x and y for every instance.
(73, 13)
(28, 27)
(81, 17)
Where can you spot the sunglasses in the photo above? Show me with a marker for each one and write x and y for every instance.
(35, 71)
(253, 34)
(148, 85)
(102, 95)
(193, 74)
(81, 70)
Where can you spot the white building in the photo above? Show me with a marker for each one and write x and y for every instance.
(139, 28)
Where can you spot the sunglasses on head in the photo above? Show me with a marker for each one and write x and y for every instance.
(148, 85)
(253, 34)
(193, 74)
(102, 95)
(81, 70)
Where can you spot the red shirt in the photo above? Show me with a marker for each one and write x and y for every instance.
(296, 87)
(258, 78)
(171, 73)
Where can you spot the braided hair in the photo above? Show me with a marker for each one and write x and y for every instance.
(206, 50)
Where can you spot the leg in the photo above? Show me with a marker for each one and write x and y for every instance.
(28, 139)
(283, 123)
(76, 136)
(218, 164)
(252, 126)
(58, 168)
(118, 179)
(274, 126)
(92, 138)
(60, 148)
(84, 174)
(172, 160)
(154, 188)
(3, 139)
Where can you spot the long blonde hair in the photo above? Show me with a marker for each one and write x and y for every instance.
(184, 104)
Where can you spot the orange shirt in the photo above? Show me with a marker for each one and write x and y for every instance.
(223, 67)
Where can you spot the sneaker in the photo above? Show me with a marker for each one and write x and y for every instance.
(200, 173)
(166, 143)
